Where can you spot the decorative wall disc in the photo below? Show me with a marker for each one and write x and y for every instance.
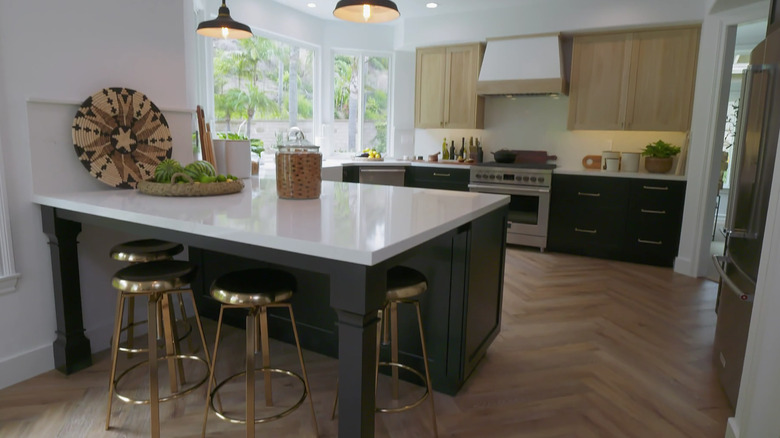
(120, 136)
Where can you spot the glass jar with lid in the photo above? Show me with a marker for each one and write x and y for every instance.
(298, 168)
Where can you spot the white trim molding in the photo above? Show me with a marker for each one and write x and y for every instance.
(8, 275)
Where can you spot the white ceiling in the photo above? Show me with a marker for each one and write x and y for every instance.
(408, 8)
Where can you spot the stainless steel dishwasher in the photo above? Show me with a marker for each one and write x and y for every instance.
(384, 175)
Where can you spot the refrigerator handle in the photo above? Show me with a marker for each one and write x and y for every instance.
(739, 147)
(756, 216)
(719, 261)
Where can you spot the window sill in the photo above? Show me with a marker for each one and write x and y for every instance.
(8, 283)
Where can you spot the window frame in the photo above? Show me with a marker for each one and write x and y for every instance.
(361, 110)
(205, 81)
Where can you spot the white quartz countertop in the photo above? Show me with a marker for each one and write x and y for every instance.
(641, 175)
(358, 223)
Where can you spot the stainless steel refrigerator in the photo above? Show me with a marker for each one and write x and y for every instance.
(758, 123)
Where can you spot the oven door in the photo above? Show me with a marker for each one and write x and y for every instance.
(529, 209)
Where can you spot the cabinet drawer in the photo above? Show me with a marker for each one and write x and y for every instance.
(439, 178)
(588, 233)
(654, 195)
(589, 193)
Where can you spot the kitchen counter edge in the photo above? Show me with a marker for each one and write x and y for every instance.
(638, 175)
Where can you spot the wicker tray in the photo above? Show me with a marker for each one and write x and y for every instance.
(190, 188)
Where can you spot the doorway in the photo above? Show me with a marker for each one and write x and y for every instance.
(748, 35)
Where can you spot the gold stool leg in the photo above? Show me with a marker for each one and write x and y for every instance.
(184, 318)
(394, 345)
(427, 371)
(120, 301)
(154, 390)
(266, 355)
(170, 336)
(251, 332)
(303, 368)
(211, 370)
(130, 325)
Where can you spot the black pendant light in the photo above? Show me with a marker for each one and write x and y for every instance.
(224, 27)
(366, 11)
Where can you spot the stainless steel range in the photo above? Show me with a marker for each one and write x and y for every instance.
(529, 188)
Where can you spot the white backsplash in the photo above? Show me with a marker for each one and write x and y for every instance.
(539, 123)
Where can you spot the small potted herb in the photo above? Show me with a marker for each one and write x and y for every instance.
(659, 156)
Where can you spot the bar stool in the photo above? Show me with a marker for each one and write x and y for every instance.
(142, 251)
(404, 285)
(154, 280)
(256, 290)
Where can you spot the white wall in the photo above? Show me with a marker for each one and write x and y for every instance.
(80, 47)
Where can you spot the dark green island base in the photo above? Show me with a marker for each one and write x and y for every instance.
(461, 309)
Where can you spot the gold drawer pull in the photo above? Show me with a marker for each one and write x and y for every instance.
(650, 242)
(655, 188)
(440, 174)
(654, 211)
(580, 230)
(592, 195)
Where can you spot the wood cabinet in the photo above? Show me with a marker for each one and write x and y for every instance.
(641, 81)
(446, 87)
(631, 219)
(444, 178)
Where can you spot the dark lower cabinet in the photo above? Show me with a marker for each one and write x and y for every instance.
(629, 219)
(445, 178)
(461, 309)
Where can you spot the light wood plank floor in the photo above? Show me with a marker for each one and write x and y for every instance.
(588, 348)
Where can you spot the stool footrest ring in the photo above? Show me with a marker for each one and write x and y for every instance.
(221, 414)
(172, 396)
(414, 404)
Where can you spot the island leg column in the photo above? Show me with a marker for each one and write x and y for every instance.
(72, 351)
(357, 316)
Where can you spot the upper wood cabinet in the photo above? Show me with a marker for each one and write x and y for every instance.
(641, 81)
(446, 87)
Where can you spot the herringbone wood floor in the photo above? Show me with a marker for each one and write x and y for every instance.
(588, 348)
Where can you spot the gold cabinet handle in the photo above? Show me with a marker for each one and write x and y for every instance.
(592, 195)
(580, 230)
(653, 211)
(441, 174)
(650, 242)
(655, 188)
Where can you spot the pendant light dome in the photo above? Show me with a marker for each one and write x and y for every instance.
(224, 26)
(366, 11)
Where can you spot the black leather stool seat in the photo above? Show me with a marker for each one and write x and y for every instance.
(157, 276)
(404, 283)
(253, 287)
(145, 250)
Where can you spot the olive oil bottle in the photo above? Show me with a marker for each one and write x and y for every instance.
(445, 154)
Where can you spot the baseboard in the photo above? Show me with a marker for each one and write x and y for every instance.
(684, 266)
(732, 428)
(23, 366)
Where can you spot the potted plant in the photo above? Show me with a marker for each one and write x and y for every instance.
(659, 156)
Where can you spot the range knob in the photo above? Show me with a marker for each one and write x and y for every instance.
(525, 178)
(533, 179)
(541, 179)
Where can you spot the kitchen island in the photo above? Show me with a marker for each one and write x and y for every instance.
(350, 236)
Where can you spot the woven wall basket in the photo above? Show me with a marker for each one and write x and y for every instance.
(120, 136)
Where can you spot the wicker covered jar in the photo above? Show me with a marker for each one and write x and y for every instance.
(298, 172)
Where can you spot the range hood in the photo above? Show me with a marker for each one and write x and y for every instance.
(522, 65)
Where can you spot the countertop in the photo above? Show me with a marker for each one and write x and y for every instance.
(357, 223)
(395, 163)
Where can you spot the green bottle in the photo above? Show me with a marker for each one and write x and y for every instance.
(445, 155)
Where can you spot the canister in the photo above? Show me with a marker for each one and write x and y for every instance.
(298, 172)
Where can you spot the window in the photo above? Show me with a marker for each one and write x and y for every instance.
(7, 275)
(262, 87)
(361, 105)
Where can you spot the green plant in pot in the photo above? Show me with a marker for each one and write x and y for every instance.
(659, 156)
